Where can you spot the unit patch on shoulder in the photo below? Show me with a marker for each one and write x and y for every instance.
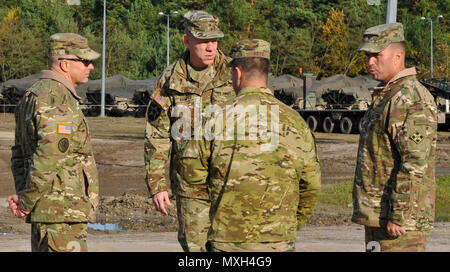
(417, 137)
(63, 145)
(64, 129)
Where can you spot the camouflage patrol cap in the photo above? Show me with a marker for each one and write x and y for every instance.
(202, 25)
(71, 44)
(379, 37)
(251, 48)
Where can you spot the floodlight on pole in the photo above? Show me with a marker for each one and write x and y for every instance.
(431, 41)
(168, 41)
(73, 2)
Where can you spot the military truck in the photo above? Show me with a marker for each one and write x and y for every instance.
(439, 88)
(122, 96)
(334, 104)
(338, 103)
(11, 91)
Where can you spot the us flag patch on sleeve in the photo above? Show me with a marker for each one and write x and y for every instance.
(64, 129)
(161, 100)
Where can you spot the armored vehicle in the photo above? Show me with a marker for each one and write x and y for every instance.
(334, 104)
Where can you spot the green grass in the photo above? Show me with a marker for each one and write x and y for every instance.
(338, 198)
(443, 199)
(337, 195)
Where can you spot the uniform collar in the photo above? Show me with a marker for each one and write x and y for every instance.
(180, 78)
(196, 75)
(248, 90)
(49, 74)
(382, 88)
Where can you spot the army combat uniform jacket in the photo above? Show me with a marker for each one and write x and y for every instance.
(53, 165)
(174, 116)
(395, 171)
(263, 181)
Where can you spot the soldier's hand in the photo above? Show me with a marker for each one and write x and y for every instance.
(18, 212)
(13, 201)
(159, 201)
(395, 230)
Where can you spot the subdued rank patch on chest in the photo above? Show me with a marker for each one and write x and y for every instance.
(417, 137)
(63, 145)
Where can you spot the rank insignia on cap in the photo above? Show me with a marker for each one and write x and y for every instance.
(63, 145)
(161, 100)
(64, 129)
(417, 137)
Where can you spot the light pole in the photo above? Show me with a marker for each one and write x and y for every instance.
(431, 41)
(168, 17)
(102, 98)
(391, 9)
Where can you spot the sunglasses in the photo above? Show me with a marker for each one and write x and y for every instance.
(84, 61)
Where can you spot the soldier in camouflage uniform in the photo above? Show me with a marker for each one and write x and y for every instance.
(54, 170)
(394, 186)
(200, 77)
(262, 172)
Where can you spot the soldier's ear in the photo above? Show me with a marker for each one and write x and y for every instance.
(238, 71)
(64, 65)
(186, 40)
(398, 57)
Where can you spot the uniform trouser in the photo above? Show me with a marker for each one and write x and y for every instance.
(193, 223)
(60, 237)
(377, 239)
(249, 247)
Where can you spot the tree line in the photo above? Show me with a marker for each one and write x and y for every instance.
(321, 36)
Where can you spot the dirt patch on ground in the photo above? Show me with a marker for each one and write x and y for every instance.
(135, 212)
(118, 149)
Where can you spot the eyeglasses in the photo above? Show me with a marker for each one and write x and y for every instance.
(84, 61)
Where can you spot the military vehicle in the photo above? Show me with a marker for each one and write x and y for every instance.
(338, 103)
(334, 104)
(11, 91)
(123, 96)
(439, 88)
(286, 88)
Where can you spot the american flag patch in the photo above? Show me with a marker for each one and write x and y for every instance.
(64, 129)
(161, 100)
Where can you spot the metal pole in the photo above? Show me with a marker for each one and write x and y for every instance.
(391, 11)
(431, 46)
(102, 108)
(168, 46)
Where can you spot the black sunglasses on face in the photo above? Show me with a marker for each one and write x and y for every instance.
(84, 61)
